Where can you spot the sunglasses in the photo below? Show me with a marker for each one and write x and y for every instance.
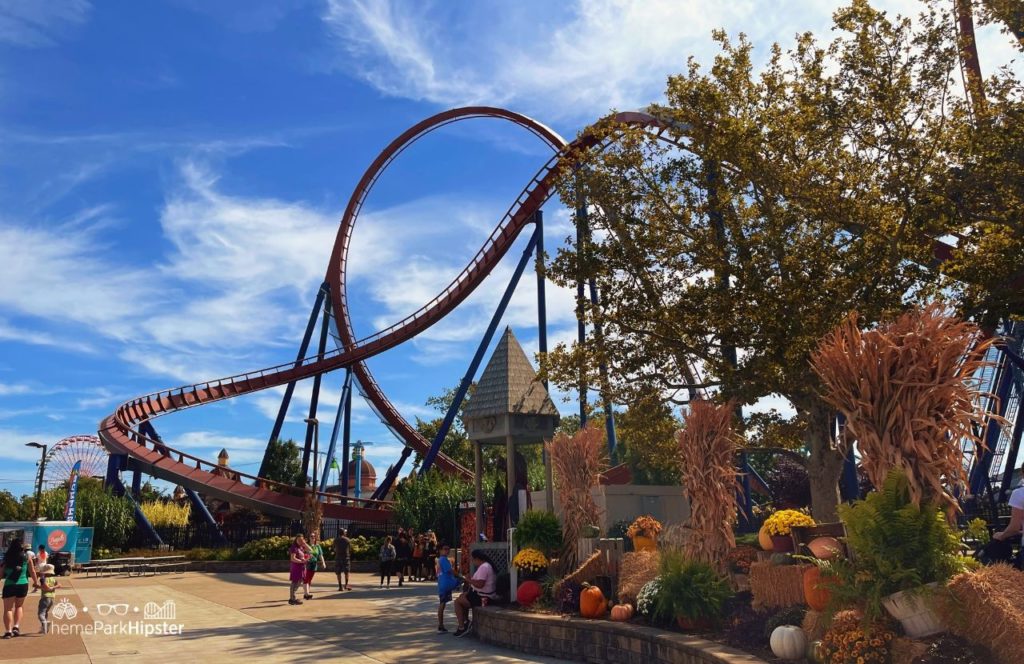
(117, 609)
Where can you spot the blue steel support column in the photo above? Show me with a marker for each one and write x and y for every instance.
(314, 399)
(983, 462)
(384, 487)
(849, 485)
(136, 484)
(140, 517)
(609, 414)
(467, 379)
(346, 393)
(282, 412)
(346, 437)
(747, 504)
(115, 464)
(200, 507)
(581, 295)
(542, 344)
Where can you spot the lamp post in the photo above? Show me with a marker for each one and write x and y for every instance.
(316, 449)
(357, 459)
(39, 479)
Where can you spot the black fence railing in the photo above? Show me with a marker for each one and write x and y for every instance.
(202, 535)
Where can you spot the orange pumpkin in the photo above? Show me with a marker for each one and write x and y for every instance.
(592, 602)
(816, 588)
(622, 612)
(764, 539)
(826, 548)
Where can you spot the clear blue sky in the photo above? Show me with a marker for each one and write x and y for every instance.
(172, 174)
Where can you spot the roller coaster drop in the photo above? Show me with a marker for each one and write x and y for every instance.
(134, 445)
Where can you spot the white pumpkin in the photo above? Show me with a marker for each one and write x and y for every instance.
(789, 642)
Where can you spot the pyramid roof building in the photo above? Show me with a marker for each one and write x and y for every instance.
(509, 385)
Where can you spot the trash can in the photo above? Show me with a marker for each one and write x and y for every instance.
(61, 562)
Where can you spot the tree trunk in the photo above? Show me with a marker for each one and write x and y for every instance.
(825, 465)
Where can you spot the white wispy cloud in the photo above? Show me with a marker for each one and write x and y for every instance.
(36, 24)
(565, 61)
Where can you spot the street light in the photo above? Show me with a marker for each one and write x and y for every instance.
(316, 449)
(39, 480)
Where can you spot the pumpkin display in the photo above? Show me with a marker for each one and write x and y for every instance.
(764, 539)
(622, 612)
(788, 642)
(592, 602)
(816, 652)
(816, 592)
(825, 548)
(528, 593)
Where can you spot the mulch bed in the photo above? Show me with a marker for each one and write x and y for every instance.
(949, 649)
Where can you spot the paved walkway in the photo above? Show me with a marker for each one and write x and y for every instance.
(244, 618)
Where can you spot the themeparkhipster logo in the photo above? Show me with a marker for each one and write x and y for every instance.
(119, 619)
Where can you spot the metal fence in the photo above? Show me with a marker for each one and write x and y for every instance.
(202, 535)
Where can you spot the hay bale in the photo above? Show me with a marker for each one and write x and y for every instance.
(590, 569)
(984, 608)
(776, 586)
(635, 570)
(814, 625)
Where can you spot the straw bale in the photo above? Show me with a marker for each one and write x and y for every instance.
(814, 625)
(984, 608)
(592, 567)
(636, 569)
(905, 650)
(776, 586)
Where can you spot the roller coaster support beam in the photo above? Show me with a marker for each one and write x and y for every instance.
(346, 439)
(314, 400)
(983, 461)
(136, 484)
(609, 413)
(478, 357)
(282, 412)
(115, 464)
(346, 394)
(581, 295)
(389, 479)
(747, 504)
(1011, 457)
(140, 517)
(200, 507)
(542, 343)
(849, 485)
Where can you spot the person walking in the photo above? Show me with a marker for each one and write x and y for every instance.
(16, 569)
(342, 558)
(403, 554)
(447, 581)
(298, 553)
(314, 561)
(387, 561)
(49, 585)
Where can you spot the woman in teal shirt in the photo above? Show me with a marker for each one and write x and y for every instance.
(16, 569)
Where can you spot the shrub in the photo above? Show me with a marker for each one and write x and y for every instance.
(793, 615)
(268, 548)
(539, 529)
(691, 590)
(112, 517)
(166, 514)
(431, 502)
(209, 554)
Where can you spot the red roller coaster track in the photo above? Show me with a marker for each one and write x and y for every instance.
(120, 432)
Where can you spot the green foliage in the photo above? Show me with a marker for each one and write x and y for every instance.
(793, 615)
(112, 517)
(977, 532)
(365, 548)
(209, 554)
(430, 502)
(268, 548)
(284, 462)
(619, 528)
(10, 508)
(539, 529)
(896, 546)
(690, 590)
(647, 433)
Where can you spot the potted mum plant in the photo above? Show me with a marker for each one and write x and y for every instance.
(780, 527)
(531, 563)
(690, 593)
(644, 532)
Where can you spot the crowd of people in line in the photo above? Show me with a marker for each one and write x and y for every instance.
(409, 557)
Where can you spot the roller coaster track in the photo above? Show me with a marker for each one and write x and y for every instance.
(122, 434)
(122, 431)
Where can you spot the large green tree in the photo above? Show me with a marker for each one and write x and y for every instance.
(800, 193)
(284, 462)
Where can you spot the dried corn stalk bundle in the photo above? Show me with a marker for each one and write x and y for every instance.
(707, 457)
(592, 567)
(908, 392)
(577, 463)
(813, 625)
(984, 608)
(636, 569)
(776, 586)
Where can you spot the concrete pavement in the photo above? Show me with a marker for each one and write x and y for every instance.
(227, 618)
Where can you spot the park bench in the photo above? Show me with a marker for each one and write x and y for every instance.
(109, 566)
(158, 565)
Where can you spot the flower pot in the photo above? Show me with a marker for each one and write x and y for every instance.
(643, 543)
(693, 624)
(915, 613)
(782, 543)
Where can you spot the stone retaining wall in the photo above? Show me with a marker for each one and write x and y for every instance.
(260, 566)
(598, 641)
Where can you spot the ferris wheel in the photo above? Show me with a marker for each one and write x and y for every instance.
(64, 454)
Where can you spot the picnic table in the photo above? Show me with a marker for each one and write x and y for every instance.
(135, 566)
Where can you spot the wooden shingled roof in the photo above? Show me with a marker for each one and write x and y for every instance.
(509, 384)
